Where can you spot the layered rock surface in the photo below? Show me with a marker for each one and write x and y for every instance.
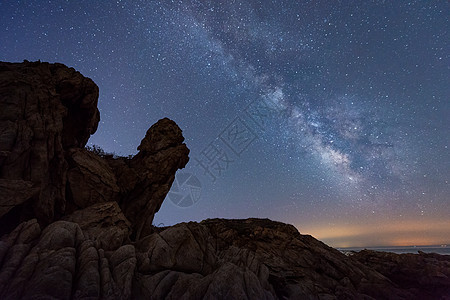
(79, 226)
(214, 259)
(45, 110)
(48, 111)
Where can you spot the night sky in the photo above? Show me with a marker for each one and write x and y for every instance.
(329, 115)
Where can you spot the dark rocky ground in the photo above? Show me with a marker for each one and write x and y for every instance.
(79, 225)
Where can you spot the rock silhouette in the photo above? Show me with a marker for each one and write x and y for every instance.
(45, 110)
(48, 113)
(77, 225)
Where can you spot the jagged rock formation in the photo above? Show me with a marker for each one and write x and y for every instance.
(78, 225)
(150, 174)
(45, 109)
(48, 113)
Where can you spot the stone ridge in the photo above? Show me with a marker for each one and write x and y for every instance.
(77, 225)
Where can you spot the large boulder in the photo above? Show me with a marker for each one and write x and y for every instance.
(45, 110)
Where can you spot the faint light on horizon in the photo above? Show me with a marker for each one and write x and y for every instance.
(400, 233)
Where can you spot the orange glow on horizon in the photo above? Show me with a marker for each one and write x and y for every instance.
(400, 233)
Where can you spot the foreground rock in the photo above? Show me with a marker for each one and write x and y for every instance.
(251, 259)
(146, 179)
(48, 111)
(214, 259)
(60, 263)
(45, 109)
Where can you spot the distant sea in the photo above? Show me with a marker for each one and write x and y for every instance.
(439, 249)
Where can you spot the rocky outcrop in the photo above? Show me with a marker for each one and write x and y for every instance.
(45, 109)
(146, 179)
(48, 113)
(78, 225)
(214, 259)
(427, 276)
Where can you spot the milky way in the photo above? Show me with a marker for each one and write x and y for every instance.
(330, 115)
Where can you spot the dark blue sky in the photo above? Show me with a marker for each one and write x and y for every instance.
(330, 115)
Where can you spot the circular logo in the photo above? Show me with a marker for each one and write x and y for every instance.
(186, 190)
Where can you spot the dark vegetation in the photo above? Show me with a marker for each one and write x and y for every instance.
(97, 150)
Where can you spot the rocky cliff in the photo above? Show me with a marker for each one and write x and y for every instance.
(77, 225)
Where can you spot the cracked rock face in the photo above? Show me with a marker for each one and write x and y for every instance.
(214, 259)
(76, 225)
(90, 180)
(45, 110)
(60, 262)
(104, 224)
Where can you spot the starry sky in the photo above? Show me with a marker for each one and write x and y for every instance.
(329, 115)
